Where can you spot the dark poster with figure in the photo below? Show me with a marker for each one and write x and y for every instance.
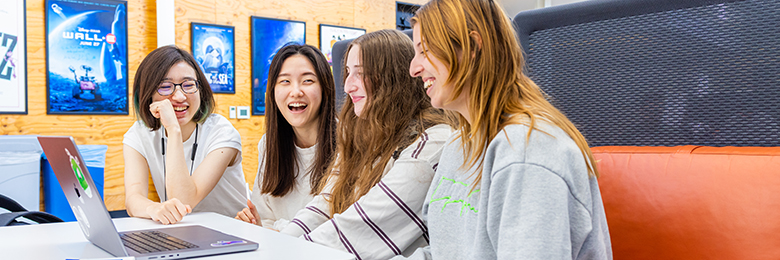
(213, 48)
(268, 36)
(86, 56)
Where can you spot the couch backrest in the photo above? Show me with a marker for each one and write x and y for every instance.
(660, 72)
(680, 100)
(691, 202)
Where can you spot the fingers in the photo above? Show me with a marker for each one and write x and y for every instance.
(243, 217)
(163, 110)
(170, 212)
(253, 210)
(156, 107)
(246, 216)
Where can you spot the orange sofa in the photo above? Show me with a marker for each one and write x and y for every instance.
(691, 202)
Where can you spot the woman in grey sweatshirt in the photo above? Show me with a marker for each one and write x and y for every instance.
(517, 180)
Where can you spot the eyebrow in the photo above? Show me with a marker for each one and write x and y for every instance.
(185, 78)
(308, 73)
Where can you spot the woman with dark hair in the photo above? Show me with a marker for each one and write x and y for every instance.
(193, 156)
(299, 141)
(388, 142)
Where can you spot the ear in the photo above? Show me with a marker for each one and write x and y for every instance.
(477, 39)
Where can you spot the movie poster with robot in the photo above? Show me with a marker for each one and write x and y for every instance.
(212, 46)
(86, 52)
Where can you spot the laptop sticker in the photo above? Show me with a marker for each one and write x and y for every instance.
(76, 166)
(82, 219)
(227, 243)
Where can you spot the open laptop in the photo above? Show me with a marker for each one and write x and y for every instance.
(95, 222)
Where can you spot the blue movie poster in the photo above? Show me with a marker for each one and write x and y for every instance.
(268, 36)
(212, 46)
(86, 52)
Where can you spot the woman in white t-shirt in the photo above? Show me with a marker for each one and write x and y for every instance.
(193, 156)
(300, 139)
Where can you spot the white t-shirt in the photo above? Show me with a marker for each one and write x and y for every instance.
(228, 196)
(276, 212)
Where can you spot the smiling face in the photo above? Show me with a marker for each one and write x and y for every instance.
(298, 93)
(354, 85)
(184, 105)
(434, 74)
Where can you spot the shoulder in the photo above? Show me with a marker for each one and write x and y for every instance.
(217, 120)
(548, 147)
(138, 130)
(535, 146)
(429, 143)
(217, 124)
(261, 143)
(549, 150)
(440, 132)
(219, 132)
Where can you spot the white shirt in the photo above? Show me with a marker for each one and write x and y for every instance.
(386, 221)
(228, 196)
(276, 212)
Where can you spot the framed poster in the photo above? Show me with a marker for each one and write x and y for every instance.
(268, 36)
(214, 48)
(403, 15)
(13, 58)
(86, 57)
(330, 34)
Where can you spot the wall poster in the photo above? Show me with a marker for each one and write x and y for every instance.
(13, 58)
(268, 36)
(330, 34)
(213, 48)
(86, 56)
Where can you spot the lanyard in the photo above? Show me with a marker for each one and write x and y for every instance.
(192, 158)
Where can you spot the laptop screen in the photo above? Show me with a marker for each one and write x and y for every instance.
(82, 195)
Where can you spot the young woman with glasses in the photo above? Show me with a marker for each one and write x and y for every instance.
(193, 156)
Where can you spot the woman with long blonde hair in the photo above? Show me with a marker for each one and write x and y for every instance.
(388, 140)
(517, 180)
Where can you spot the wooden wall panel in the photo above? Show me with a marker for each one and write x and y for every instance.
(109, 130)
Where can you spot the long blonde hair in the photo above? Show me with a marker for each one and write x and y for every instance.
(397, 112)
(489, 65)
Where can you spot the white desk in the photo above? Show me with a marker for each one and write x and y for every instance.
(59, 241)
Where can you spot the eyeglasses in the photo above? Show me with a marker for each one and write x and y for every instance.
(167, 88)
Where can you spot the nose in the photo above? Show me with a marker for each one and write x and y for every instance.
(296, 90)
(415, 68)
(349, 84)
(178, 94)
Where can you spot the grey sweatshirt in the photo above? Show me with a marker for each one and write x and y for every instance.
(535, 201)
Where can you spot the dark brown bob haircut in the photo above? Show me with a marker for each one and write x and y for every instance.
(151, 73)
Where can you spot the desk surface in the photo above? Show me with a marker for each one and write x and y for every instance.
(65, 240)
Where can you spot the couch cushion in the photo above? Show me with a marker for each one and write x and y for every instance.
(691, 202)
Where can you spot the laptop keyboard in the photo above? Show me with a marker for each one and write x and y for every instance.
(153, 241)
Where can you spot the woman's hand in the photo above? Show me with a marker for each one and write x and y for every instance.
(163, 110)
(168, 212)
(249, 214)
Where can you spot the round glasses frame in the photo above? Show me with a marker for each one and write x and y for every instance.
(192, 90)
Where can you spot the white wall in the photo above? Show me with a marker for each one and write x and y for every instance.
(512, 7)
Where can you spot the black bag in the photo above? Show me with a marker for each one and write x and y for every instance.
(17, 211)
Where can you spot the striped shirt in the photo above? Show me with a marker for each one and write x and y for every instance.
(386, 221)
